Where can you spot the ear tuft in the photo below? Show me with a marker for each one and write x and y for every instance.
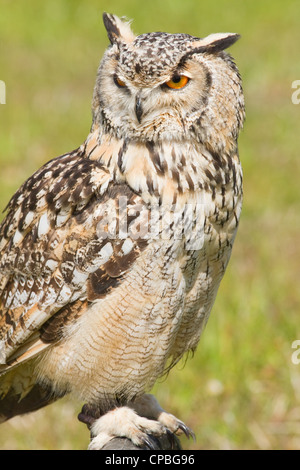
(118, 30)
(216, 42)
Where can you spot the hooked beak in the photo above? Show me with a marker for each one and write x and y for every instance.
(138, 108)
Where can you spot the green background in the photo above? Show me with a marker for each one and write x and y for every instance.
(241, 389)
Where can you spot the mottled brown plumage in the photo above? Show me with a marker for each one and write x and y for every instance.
(111, 256)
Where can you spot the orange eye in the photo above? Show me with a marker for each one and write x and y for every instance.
(119, 82)
(177, 82)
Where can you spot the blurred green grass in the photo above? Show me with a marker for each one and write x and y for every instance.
(241, 390)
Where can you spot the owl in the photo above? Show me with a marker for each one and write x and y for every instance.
(112, 254)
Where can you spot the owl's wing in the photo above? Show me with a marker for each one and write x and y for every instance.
(69, 236)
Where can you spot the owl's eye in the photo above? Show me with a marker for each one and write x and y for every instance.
(119, 82)
(177, 82)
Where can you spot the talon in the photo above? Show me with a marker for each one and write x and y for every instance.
(172, 439)
(187, 431)
(147, 441)
(86, 419)
(88, 415)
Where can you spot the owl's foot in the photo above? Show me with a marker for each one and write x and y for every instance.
(148, 406)
(139, 421)
(124, 422)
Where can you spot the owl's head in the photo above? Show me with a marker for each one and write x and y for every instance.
(167, 86)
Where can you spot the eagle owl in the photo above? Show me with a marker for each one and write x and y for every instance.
(112, 254)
